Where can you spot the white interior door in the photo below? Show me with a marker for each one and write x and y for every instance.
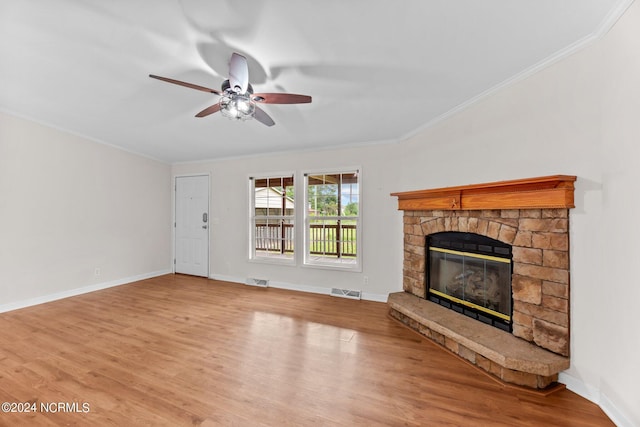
(192, 225)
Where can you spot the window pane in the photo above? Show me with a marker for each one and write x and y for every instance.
(273, 218)
(333, 218)
(350, 199)
(348, 236)
(323, 198)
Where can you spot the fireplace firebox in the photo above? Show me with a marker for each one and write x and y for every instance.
(471, 274)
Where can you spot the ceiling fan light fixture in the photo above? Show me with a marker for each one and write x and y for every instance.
(237, 107)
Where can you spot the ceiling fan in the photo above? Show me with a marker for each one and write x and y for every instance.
(237, 98)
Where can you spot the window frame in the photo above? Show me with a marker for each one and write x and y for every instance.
(254, 255)
(308, 259)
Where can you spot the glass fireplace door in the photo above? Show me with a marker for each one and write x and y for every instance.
(481, 282)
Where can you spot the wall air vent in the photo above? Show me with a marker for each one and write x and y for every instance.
(346, 293)
(263, 283)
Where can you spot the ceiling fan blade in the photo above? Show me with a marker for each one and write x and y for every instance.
(209, 110)
(263, 117)
(280, 98)
(185, 84)
(238, 73)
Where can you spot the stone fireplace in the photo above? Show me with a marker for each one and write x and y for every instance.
(529, 217)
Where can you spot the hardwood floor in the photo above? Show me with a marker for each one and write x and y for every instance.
(179, 350)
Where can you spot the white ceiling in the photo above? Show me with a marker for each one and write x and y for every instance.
(378, 70)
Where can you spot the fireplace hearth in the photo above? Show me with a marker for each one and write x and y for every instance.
(471, 274)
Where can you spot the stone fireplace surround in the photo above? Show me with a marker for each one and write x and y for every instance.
(532, 215)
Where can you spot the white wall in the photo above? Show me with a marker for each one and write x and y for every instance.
(580, 117)
(68, 206)
(620, 286)
(382, 253)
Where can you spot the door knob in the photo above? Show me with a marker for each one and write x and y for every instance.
(204, 226)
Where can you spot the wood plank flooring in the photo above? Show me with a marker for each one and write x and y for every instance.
(178, 351)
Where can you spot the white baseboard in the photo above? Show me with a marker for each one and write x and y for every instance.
(300, 288)
(579, 387)
(612, 411)
(224, 278)
(79, 291)
(297, 287)
(594, 395)
(375, 297)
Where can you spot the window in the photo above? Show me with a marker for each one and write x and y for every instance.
(272, 218)
(332, 219)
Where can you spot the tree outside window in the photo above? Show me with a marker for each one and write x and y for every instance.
(332, 219)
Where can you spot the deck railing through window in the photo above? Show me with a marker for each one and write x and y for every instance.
(275, 238)
(337, 240)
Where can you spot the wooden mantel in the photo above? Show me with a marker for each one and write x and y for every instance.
(554, 191)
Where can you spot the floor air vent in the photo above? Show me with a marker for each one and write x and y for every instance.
(263, 283)
(346, 293)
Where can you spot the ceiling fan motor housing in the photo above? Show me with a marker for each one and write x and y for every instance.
(226, 88)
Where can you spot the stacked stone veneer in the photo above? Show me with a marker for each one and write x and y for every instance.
(540, 281)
